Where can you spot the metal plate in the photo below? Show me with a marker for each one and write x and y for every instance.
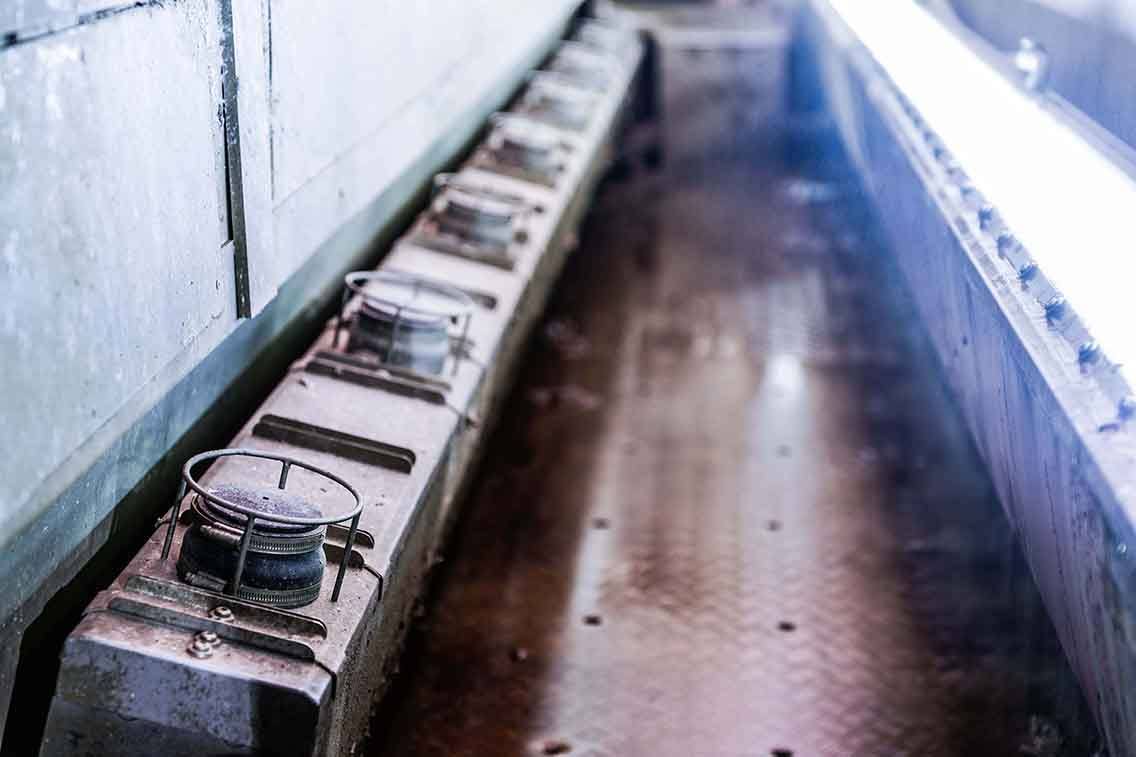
(731, 511)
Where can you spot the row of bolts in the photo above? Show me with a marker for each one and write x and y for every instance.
(1032, 61)
(204, 642)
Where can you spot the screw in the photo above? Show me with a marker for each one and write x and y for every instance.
(220, 612)
(199, 649)
(1128, 408)
(1088, 353)
(986, 216)
(1032, 60)
(208, 637)
(1055, 308)
(1007, 242)
(1027, 272)
(955, 173)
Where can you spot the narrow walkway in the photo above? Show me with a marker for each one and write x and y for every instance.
(729, 510)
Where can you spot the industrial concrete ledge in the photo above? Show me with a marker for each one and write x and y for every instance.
(105, 502)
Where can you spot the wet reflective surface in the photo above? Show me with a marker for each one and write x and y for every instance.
(730, 510)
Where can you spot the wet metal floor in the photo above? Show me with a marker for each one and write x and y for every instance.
(729, 510)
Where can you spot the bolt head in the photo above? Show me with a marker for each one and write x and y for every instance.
(1032, 61)
(1088, 353)
(199, 649)
(208, 637)
(986, 216)
(1128, 407)
(220, 612)
(1055, 308)
(1006, 242)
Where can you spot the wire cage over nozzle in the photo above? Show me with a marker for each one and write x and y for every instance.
(268, 520)
(406, 321)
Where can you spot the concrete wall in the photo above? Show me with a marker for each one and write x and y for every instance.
(1059, 448)
(169, 169)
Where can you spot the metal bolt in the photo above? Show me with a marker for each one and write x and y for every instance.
(986, 216)
(955, 172)
(1032, 60)
(1088, 353)
(199, 649)
(1055, 308)
(1006, 243)
(208, 637)
(1128, 408)
(220, 612)
(1027, 272)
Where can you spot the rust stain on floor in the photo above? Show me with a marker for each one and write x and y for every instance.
(729, 510)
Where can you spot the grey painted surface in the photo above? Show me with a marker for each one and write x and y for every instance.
(117, 291)
(1048, 430)
(113, 227)
(1092, 47)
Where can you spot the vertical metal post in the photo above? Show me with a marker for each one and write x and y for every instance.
(284, 468)
(343, 300)
(246, 537)
(395, 328)
(173, 520)
(464, 343)
(346, 557)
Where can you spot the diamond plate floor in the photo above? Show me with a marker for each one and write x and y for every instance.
(729, 510)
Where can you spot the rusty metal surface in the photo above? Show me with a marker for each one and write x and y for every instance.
(730, 510)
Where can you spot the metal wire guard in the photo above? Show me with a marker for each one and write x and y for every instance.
(357, 284)
(252, 516)
(579, 53)
(570, 102)
(461, 316)
(524, 127)
(520, 205)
